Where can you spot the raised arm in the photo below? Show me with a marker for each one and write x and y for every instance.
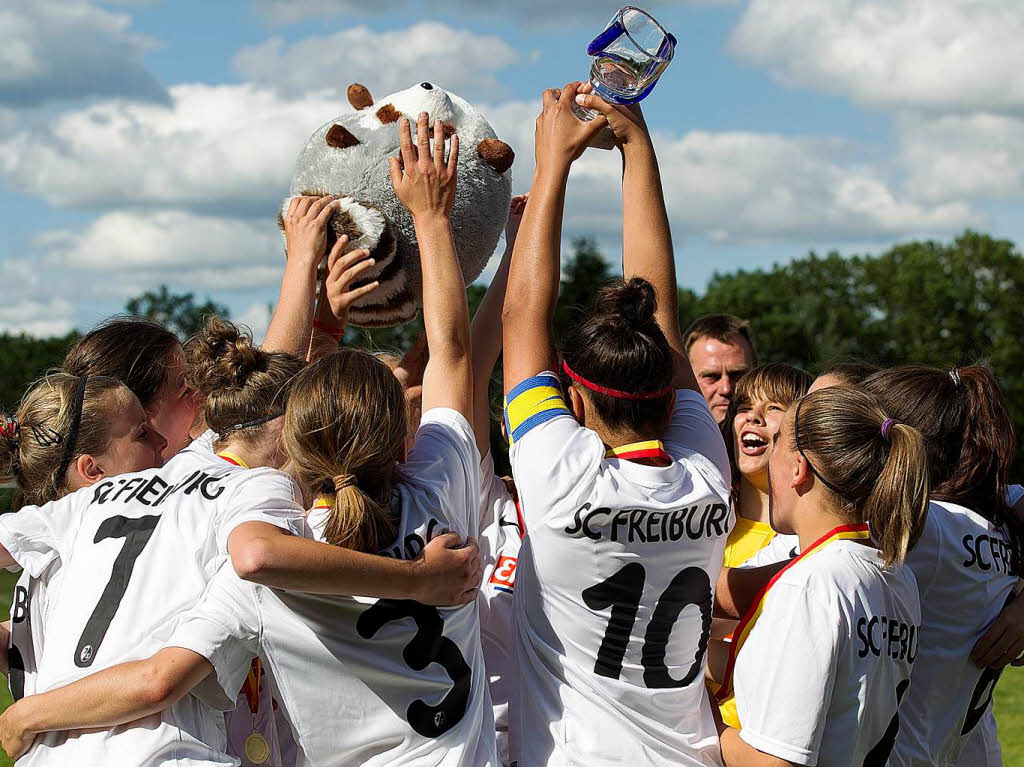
(305, 231)
(425, 184)
(532, 292)
(646, 237)
(485, 330)
(337, 294)
(117, 695)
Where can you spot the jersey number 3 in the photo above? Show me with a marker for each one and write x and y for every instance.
(136, 533)
(622, 592)
(427, 646)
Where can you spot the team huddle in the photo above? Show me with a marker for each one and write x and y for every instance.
(301, 554)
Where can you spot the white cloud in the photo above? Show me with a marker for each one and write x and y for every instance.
(220, 148)
(529, 11)
(40, 318)
(70, 49)
(257, 318)
(457, 59)
(741, 187)
(957, 157)
(947, 55)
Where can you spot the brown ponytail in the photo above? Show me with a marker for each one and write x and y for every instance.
(243, 385)
(968, 435)
(33, 443)
(876, 475)
(344, 431)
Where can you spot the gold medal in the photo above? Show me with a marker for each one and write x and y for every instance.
(257, 749)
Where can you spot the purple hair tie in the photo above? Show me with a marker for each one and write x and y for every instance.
(885, 427)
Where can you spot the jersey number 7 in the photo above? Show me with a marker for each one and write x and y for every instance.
(136, 533)
(622, 592)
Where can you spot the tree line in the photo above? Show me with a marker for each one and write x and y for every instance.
(924, 302)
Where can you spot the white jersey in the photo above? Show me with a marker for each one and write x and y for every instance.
(615, 586)
(501, 537)
(779, 549)
(28, 616)
(962, 564)
(367, 681)
(135, 551)
(821, 673)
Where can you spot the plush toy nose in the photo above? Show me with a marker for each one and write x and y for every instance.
(427, 86)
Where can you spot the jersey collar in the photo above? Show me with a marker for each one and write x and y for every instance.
(636, 451)
(233, 459)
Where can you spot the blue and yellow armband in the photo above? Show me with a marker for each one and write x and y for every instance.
(532, 402)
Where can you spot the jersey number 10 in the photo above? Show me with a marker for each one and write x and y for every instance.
(622, 592)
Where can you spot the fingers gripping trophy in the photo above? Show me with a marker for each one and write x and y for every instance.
(628, 58)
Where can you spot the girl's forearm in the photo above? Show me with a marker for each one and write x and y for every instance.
(290, 326)
(485, 341)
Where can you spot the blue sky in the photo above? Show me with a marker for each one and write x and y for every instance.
(144, 142)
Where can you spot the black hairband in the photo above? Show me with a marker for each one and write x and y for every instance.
(72, 438)
(255, 422)
(799, 449)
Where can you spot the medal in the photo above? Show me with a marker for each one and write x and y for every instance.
(257, 749)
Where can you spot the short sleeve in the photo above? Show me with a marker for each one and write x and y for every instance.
(692, 428)
(261, 495)
(1013, 494)
(779, 549)
(224, 628)
(493, 493)
(445, 459)
(553, 457)
(789, 656)
(35, 536)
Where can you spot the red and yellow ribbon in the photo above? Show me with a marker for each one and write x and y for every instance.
(841, 533)
(649, 449)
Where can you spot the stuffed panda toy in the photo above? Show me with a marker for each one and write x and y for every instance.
(348, 157)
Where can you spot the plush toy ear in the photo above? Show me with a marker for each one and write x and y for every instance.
(340, 138)
(359, 97)
(496, 153)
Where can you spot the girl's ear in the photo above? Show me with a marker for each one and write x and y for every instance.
(89, 472)
(577, 404)
(801, 474)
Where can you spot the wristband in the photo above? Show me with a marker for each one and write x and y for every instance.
(334, 332)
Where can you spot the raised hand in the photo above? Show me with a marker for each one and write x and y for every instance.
(560, 136)
(626, 121)
(515, 218)
(423, 181)
(305, 227)
(342, 270)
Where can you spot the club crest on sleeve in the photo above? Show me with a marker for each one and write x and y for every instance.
(504, 576)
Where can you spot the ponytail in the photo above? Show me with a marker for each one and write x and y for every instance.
(896, 508)
(344, 430)
(968, 434)
(875, 468)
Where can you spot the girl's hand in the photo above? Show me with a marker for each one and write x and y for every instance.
(14, 739)
(305, 228)
(342, 270)
(515, 217)
(448, 573)
(561, 137)
(424, 183)
(1003, 643)
(626, 122)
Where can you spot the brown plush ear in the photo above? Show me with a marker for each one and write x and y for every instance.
(339, 137)
(388, 114)
(496, 153)
(359, 97)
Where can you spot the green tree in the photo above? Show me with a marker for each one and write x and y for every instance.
(178, 312)
(23, 359)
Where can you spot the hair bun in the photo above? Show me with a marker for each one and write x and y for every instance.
(633, 300)
(222, 356)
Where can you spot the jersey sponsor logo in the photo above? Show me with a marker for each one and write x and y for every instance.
(984, 552)
(504, 576)
(886, 636)
(648, 526)
(153, 491)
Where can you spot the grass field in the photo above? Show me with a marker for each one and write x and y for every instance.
(1009, 696)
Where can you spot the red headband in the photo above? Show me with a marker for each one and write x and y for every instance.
(618, 394)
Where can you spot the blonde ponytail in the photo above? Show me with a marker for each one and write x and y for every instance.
(896, 508)
(875, 469)
(344, 430)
